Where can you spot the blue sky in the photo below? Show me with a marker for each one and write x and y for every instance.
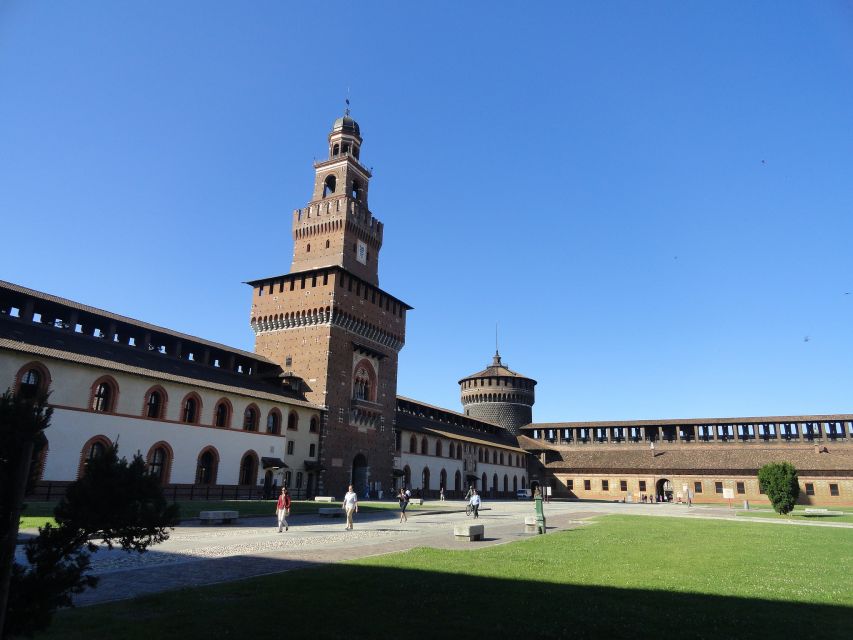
(654, 200)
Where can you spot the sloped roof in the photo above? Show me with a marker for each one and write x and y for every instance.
(496, 369)
(701, 458)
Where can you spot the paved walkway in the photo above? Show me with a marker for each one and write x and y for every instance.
(197, 555)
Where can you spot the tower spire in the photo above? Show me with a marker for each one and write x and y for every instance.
(346, 109)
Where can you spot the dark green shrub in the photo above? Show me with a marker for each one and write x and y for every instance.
(780, 482)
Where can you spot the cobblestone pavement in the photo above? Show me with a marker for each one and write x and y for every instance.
(197, 555)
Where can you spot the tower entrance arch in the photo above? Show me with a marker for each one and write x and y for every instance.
(663, 487)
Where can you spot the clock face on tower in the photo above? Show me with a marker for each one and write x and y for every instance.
(361, 252)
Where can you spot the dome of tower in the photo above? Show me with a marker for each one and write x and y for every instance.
(499, 395)
(346, 124)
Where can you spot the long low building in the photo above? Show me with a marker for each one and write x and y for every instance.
(712, 460)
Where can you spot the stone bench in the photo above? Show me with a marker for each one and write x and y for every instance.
(469, 532)
(330, 512)
(324, 499)
(822, 512)
(417, 501)
(227, 517)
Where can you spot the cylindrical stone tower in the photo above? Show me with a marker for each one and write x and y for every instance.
(499, 395)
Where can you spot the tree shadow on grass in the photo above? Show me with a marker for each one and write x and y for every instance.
(358, 601)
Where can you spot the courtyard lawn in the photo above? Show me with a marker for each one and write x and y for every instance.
(37, 514)
(799, 514)
(619, 577)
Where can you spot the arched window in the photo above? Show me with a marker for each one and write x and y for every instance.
(424, 446)
(293, 421)
(155, 403)
(249, 468)
(495, 459)
(329, 185)
(452, 452)
(438, 448)
(33, 380)
(479, 455)
(205, 471)
(327, 244)
(502, 457)
(364, 381)
(158, 462)
(314, 427)
(459, 452)
(94, 448)
(190, 409)
(222, 414)
(407, 476)
(274, 421)
(104, 393)
(413, 445)
(250, 418)
(336, 150)
(356, 190)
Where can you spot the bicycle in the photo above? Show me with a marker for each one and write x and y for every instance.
(469, 509)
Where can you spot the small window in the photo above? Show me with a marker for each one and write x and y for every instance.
(298, 479)
(290, 447)
(570, 485)
(31, 384)
(220, 415)
(155, 405)
(308, 248)
(312, 450)
(833, 490)
(809, 489)
(273, 422)
(741, 488)
(327, 246)
(587, 484)
(605, 485)
(315, 425)
(623, 485)
(102, 401)
(718, 487)
(190, 413)
(642, 485)
(250, 419)
(697, 487)
(292, 421)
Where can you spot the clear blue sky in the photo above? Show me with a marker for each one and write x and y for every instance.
(654, 200)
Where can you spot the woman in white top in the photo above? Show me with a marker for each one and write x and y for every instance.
(350, 506)
(475, 503)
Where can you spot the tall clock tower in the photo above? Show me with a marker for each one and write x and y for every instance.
(328, 322)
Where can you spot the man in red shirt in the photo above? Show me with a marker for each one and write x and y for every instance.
(282, 508)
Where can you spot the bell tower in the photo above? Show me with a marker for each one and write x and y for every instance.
(328, 323)
(337, 228)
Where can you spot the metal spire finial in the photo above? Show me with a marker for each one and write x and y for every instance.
(346, 110)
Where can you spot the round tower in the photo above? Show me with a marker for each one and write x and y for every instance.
(498, 395)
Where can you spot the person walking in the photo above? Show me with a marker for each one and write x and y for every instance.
(282, 508)
(350, 506)
(404, 502)
(441, 495)
(470, 493)
(475, 502)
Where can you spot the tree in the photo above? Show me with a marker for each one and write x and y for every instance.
(780, 482)
(115, 502)
(23, 419)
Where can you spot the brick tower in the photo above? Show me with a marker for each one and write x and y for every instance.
(499, 395)
(328, 322)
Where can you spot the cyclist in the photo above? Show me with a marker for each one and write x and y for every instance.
(475, 503)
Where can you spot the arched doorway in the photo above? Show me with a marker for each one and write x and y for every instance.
(442, 480)
(506, 485)
(533, 486)
(457, 483)
(359, 474)
(663, 487)
(425, 481)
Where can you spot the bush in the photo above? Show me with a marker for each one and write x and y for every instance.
(780, 482)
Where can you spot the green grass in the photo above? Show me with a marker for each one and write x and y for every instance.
(36, 514)
(620, 577)
(799, 514)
